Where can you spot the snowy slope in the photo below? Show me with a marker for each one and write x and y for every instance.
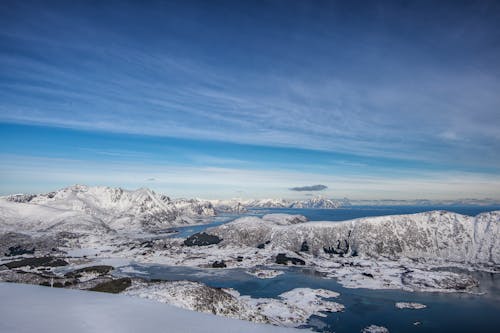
(84, 208)
(63, 310)
(436, 235)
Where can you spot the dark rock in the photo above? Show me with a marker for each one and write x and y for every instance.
(261, 246)
(114, 286)
(282, 259)
(21, 198)
(370, 275)
(19, 250)
(99, 269)
(340, 249)
(202, 239)
(19, 276)
(239, 258)
(147, 244)
(304, 247)
(37, 262)
(219, 264)
(329, 250)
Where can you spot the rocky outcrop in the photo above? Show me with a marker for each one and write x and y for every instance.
(114, 286)
(202, 239)
(219, 264)
(37, 262)
(196, 296)
(283, 259)
(98, 270)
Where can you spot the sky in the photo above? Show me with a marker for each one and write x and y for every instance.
(221, 99)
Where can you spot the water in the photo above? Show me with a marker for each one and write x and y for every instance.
(445, 312)
(184, 232)
(353, 212)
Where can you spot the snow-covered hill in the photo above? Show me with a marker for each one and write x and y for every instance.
(436, 235)
(98, 209)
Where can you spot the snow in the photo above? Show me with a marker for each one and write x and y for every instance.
(100, 225)
(27, 308)
(265, 273)
(387, 252)
(315, 202)
(292, 308)
(98, 209)
(375, 329)
(436, 235)
(240, 205)
(410, 305)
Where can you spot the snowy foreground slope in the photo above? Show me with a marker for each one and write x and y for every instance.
(59, 310)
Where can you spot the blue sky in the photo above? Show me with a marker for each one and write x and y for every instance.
(230, 99)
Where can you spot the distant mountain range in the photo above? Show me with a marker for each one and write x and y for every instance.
(106, 208)
(319, 202)
(426, 202)
(235, 205)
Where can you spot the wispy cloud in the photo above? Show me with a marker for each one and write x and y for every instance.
(373, 88)
(122, 87)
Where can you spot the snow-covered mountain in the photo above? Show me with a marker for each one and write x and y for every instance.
(436, 235)
(98, 208)
(317, 202)
(426, 202)
(234, 205)
(231, 206)
(268, 203)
